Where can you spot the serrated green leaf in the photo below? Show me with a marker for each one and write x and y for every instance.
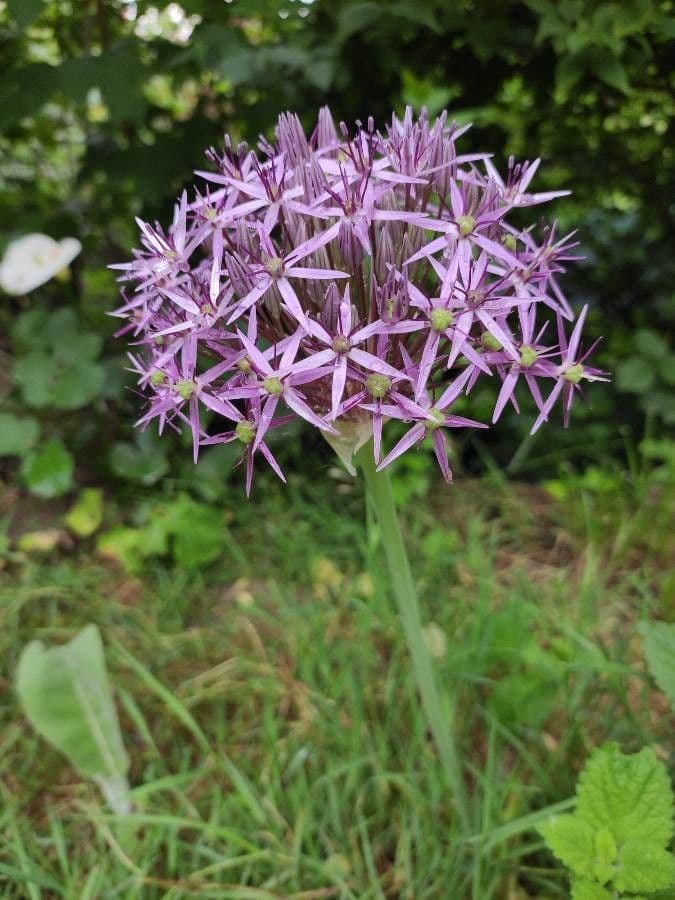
(604, 855)
(628, 794)
(84, 518)
(583, 889)
(65, 693)
(644, 867)
(17, 434)
(659, 643)
(48, 471)
(570, 839)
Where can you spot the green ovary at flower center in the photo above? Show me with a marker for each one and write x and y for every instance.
(378, 385)
(574, 374)
(441, 319)
(157, 378)
(510, 242)
(274, 265)
(341, 344)
(244, 365)
(528, 356)
(466, 224)
(489, 341)
(435, 420)
(245, 432)
(186, 388)
(273, 385)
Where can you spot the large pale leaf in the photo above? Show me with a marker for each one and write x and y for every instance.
(65, 693)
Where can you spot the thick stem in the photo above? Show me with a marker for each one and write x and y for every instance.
(403, 587)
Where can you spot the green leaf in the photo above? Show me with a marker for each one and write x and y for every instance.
(198, 532)
(582, 889)
(144, 462)
(610, 70)
(48, 471)
(644, 867)
(659, 643)
(666, 368)
(650, 344)
(570, 839)
(50, 380)
(635, 375)
(85, 517)
(65, 693)
(628, 794)
(17, 435)
(130, 547)
(604, 855)
(28, 330)
(59, 369)
(24, 12)
(569, 72)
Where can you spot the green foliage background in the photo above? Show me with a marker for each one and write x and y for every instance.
(105, 112)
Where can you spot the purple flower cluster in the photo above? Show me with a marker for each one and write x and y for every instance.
(349, 280)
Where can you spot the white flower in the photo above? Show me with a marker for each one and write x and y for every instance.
(34, 259)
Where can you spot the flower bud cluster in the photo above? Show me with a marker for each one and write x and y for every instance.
(348, 280)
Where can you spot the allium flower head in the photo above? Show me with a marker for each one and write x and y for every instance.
(349, 279)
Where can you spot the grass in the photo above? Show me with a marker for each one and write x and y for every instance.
(277, 743)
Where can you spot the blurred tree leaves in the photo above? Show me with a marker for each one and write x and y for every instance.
(24, 12)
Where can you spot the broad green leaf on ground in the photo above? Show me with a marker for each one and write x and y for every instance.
(198, 532)
(643, 867)
(570, 839)
(628, 793)
(659, 642)
(144, 461)
(84, 518)
(49, 381)
(621, 828)
(48, 471)
(583, 889)
(65, 693)
(17, 434)
(130, 547)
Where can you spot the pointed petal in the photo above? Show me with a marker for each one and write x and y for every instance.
(338, 386)
(412, 437)
(441, 451)
(298, 405)
(374, 363)
(292, 302)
